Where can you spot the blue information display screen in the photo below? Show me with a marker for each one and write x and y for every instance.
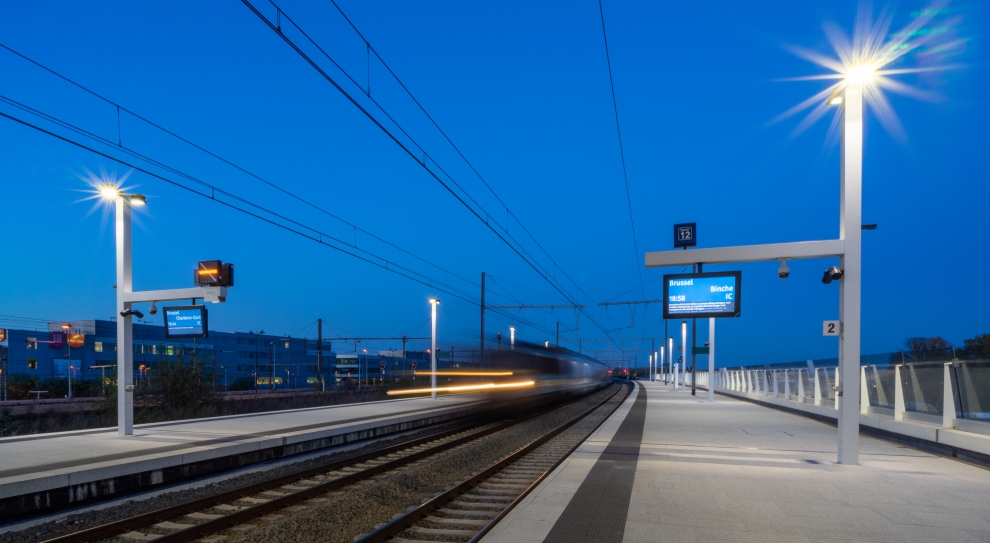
(187, 321)
(701, 295)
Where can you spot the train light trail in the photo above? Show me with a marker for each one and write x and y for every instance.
(465, 388)
(467, 373)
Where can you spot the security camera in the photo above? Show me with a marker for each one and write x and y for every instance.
(783, 271)
(153, 309)
(129, 312)
(832, 274)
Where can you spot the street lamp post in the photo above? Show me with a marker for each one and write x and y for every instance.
(434, 302)
(125, 328)
(512, 337)
(850, 231)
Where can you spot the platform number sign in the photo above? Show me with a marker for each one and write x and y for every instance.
(831, 328)
(686, 234)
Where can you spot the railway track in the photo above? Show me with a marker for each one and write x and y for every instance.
(203, 518)
(470, 509)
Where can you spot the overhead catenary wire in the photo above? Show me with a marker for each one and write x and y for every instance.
(487, 219)
(509, 212)
(622, 153)
(213, 189)
(212, 196)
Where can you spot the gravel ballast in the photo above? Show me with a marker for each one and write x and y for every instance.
(88, 518)
(340, 516)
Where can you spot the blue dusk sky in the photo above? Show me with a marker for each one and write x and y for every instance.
(356, 209)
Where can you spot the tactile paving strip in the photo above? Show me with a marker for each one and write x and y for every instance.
(597, 512)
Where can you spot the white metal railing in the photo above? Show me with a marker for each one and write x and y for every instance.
(952, 395)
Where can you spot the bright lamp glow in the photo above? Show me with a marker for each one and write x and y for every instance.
(869, 58)
(109, 192)
(860, 75)
(137, 200)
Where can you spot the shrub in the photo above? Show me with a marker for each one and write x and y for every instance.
(241, 383)
(180, 386)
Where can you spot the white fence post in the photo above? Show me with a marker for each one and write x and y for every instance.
(898, 395)
(787, 384)
(948, 399)
(818, 389)
(838, 387)
(864, 396)
(800, 386)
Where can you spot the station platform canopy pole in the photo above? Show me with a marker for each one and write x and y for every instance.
(126, 298)
(847, 248)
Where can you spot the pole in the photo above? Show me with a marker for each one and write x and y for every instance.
(683, 346)
(481, 350)
(694, 343)
(670, 352)
(125, 329)
(661, 362)
(850, 231)
(319, 354)
(512, 337)
(433, 349)
(711, 359)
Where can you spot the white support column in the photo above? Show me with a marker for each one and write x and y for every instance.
(775, 395)
(787, 384)
(711, 357)
(898, 394)
(800, 386)
(125, 329)
(948, 399)
(850, 232)
(818, 389)
(765, 376)
(864, 396)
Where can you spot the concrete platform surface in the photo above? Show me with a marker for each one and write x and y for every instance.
(733, 471)
(36, 463)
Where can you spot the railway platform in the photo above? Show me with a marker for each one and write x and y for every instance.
(668, 466)
(51, 472)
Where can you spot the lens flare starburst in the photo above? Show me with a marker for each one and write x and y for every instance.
(869, 59)
(104, 189)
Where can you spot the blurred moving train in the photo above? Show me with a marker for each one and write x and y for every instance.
(554, 370)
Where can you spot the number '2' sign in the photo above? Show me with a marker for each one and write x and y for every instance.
(831, 328)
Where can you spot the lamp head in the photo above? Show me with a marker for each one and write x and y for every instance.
(860, 74)
(109, 192)
(137, 200)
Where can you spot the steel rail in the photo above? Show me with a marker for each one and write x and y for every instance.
(400, 524)
(198, 531)
(139, 521)
(498, 518)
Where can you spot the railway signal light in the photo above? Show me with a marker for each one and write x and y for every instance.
(213, 273)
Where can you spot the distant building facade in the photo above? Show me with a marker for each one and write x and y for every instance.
(88, 349)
